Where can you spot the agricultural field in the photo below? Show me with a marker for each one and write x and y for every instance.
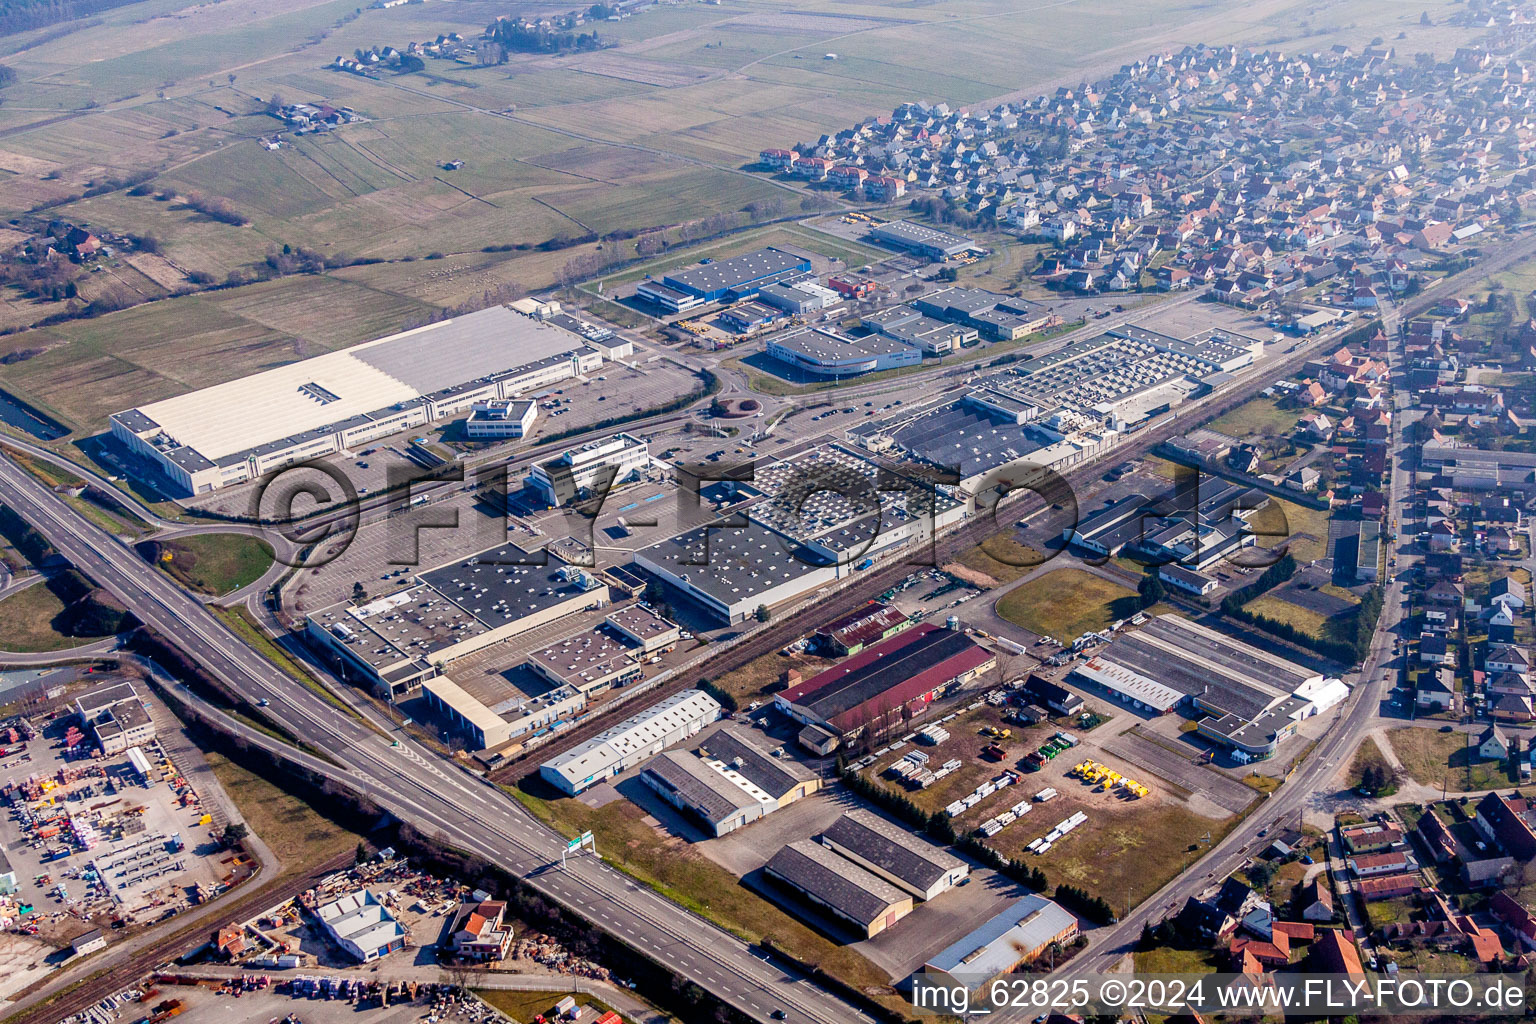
(660, 129)
(652, 130)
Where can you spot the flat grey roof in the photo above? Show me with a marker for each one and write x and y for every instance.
(734, 564)
(906, 232)
(504, 583)
(467, 348)
(825, 345)
(735, 271)
(958, 437)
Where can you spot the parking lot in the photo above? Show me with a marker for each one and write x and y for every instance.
(1192, 318)
(897, 950)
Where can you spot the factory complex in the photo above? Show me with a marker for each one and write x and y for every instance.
(738, 277)
(1249, 699)
(813, 519)
(397, 641)
(233, 432)
(1060, 409)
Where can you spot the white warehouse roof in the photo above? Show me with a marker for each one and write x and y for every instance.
(603, 753)
(290, 400)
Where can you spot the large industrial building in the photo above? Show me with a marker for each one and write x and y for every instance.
(897, 855)
(908, 671)
(826, 352)
(1251, 699)
(922, 239)
(732, 570)
(999, 317)
(398, 640)
(1060, 409)
(811, 520)
(1195, 527)
(864, 901)
(934, 337)
(577, 473)
(1480, 469)
(631, 742)
(713, 280)
(729, 783)
(238, 430)
(1015, 937)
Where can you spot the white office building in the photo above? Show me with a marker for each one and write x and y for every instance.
(500, 418)
(578, 472)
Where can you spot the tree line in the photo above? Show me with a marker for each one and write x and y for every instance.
(1347, 650)
(25, 15)
(940, 827)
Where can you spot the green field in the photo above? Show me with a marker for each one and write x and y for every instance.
(629, 842)
(1001, 557)
(298, 835)
(27, 621)
(1303, 530)
(1444, 759)
(1066, 603)
(1258, 418)
(214, 563)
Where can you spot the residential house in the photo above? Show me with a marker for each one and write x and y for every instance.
(1508, 821)
(1436, 690)
(1493, 744)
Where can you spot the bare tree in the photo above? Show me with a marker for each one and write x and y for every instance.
(1006, 663)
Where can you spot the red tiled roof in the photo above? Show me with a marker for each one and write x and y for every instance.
(1335, 954)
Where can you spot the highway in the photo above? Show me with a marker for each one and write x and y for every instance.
(468, 813)
(462, 810)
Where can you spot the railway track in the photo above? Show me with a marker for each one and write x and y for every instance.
(877, 581)
(117, 977)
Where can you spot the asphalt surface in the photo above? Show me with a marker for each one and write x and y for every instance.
(1313, 775)
(469, 813)
(465, 811)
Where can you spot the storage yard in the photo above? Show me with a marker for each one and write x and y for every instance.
(121, 836)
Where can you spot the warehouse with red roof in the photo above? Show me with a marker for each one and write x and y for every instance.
(909, 670)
